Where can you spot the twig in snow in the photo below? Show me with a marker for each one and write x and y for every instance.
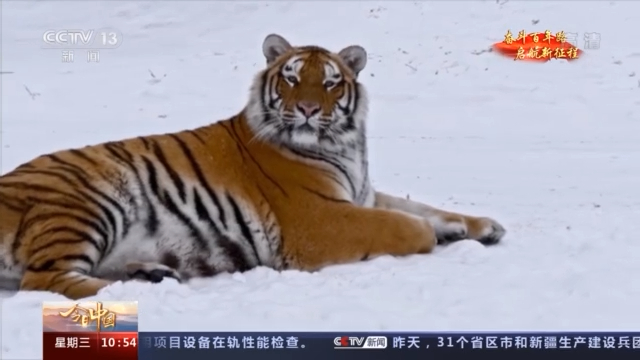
(32, 94)
(411, 67)
(480, 52)
(154, 79)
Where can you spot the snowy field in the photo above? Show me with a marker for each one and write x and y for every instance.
(550, 150)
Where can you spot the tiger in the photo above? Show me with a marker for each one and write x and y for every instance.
(284, 184)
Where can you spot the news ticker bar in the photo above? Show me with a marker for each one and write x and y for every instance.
(382, 346)
(323, 345)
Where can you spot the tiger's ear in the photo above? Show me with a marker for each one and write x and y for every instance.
(355, 57)
(273, 46)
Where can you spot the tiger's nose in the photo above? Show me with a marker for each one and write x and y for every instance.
(308, 108)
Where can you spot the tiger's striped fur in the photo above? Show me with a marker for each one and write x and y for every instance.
(283, 184)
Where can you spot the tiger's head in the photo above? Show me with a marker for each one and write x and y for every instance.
(308, 97)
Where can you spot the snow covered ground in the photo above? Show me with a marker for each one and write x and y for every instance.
(551, 150)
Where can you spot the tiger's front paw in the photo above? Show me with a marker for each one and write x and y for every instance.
(483, 229)
(151, 272)
(486, 230)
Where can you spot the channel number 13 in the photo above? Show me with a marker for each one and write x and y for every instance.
(109, 38)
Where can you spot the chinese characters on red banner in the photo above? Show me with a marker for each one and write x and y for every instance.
(539, 46)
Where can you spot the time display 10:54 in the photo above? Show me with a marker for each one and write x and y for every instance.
(109, 342)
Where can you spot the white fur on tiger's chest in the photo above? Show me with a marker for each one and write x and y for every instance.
(358, 171)
(351, 171)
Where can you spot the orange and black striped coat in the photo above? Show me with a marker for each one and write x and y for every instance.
(283, 184)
